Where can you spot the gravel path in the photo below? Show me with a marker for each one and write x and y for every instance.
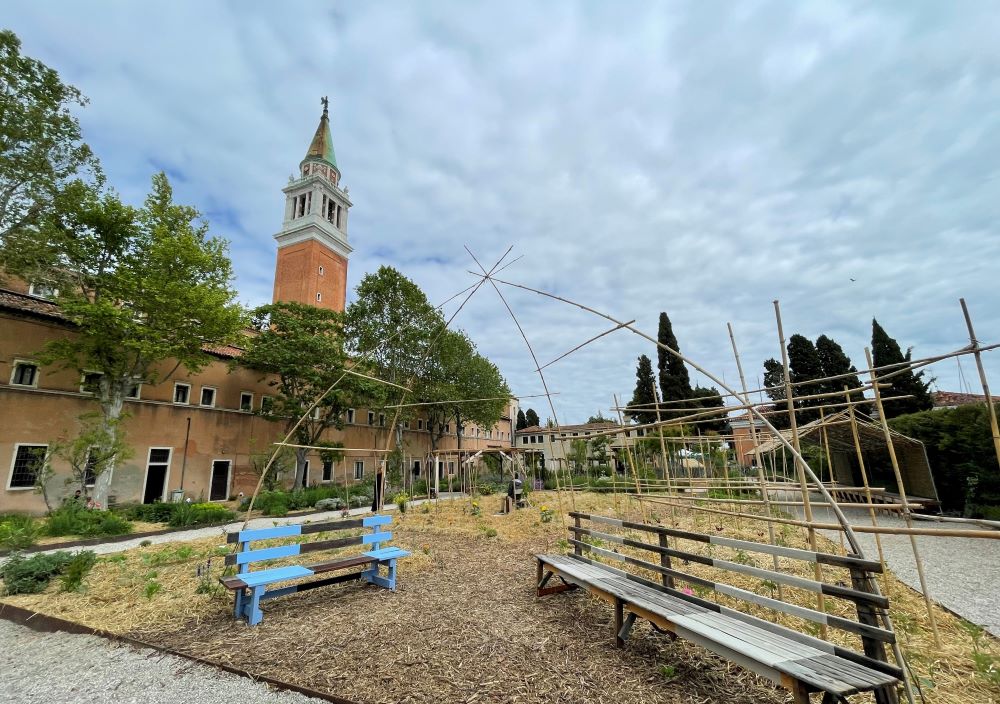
(53, 668)
(961, 572)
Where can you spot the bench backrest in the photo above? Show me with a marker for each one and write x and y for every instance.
(247, 555)
(587, 540)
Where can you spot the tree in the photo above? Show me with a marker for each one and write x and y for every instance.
(578, 454)
(301, 348)
(92, 452)
(834, 362)
(774, 382)
(644, 396)
(886, 351)
(141, 288)
(454, 374)
(522, 423)
(531, 418)
(599, 418)
(706, 399)
(41, 149)
(804, 366)
(675, 383)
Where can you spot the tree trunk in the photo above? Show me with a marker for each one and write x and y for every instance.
(112, 400)
(300, 467)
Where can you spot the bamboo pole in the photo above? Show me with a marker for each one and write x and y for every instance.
(977, 352)
(663, 455)
(868, 491)
(903, 500)
(800, 461)
(631, 461)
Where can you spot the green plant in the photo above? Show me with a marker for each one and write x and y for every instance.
(145, 543)
(74, 519)
(546, 514)
(18, 532)
(158, 512)
(401, 501)
(30, 575)
(152, 588)
(489, 532)
(187, 515)
(476, 510)
(71, 579)
(668, 671)
(985, 663)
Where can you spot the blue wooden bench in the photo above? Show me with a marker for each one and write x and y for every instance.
(252, 587)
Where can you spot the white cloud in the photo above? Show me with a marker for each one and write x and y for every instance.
(666, 158)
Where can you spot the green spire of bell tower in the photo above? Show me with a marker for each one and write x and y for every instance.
(321, 146)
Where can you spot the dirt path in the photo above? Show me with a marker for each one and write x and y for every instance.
(468, 629)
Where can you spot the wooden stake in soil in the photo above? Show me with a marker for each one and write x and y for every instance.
(806, 506)
(982, 378)
(631, 461)
(902, 498)
(663, 455)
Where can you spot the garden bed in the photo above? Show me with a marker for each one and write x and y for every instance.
(464, 625)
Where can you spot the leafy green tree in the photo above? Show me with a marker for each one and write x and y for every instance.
(142, 288)
(804, 366)
(599, 418)
(455, 373)
(92, 452)
(41, 148)
(300, 349)
(834, 362)
(885, 351)
(675, 382)
(522, 423)
(644, 396)
(531, 418)
(960, 451)
(707, 399)
(774, 382)
(578, 454)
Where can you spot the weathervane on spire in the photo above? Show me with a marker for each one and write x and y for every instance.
(326, 104)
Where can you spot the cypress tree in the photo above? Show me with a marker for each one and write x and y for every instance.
(774, 381)
(531, 418)
(804, 365)
(886, 350)
(706, 398)
(522, 423)
(644, 396)
(834, 362)
(675, 384)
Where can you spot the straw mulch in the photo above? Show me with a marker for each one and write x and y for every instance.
(465, 626)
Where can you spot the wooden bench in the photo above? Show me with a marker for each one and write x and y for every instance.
(251, 587)
(797, 661)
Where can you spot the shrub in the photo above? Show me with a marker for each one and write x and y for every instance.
(18, 532)
(73, 519)
(401, 500)
(30, 575)
(158, 512)
(187, 515)
(75, 570)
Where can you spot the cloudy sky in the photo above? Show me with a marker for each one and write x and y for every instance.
(700, 158)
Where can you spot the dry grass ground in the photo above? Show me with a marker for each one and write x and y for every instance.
(465, 625)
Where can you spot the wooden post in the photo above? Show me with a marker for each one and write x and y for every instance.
(668, 581)
(982, 380)
(800, 472)
(868, 490)
(902, 497)
(619, 622)
(577, 550)
(631, 461)
(663, 454)
(875, 649)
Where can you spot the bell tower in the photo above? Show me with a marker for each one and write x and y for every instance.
(312, 244)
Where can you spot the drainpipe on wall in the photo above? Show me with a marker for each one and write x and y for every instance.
(184, 460)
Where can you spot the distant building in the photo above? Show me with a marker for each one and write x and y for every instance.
(197, 432)
(954, 399)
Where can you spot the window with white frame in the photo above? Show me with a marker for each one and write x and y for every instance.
(371, 417)
(24, 373)
(246, 401)
(319, 297)
(266, 404)
(451, 468)
(28, 461)
(381, 419)
(420, 424)
(359, 469)
(42, 291)
(207, 396)
(182, 392)
(90, 469)
(350, 415)
(90, 382)
(447, 427)
(134, 389)
(327, 470)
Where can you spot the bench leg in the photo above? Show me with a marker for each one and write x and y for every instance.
(372, 575)
(238, 604)
(800, 693)
(619, 622)
(625, 629)
(254, 614)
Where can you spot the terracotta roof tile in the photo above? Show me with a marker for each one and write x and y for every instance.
(948, 399)
(31, 305)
